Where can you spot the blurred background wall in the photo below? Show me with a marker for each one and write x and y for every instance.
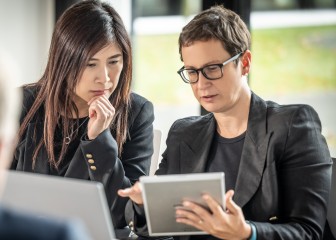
(25, 33)
(293, 47)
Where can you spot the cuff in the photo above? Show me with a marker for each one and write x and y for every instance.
(253, 231)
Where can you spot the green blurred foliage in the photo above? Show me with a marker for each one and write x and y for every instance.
(294, 60)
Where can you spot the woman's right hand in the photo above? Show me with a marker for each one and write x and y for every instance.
(134, 193)
(101, 113)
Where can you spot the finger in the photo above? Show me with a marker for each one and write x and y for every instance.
(199, 211)
(183, 212)
(231, 206)
(108, 109)
(198, 224)
(125, 192)
(188, 217)
(104, 100)
(229, 194)
(101, 111)
(214, 206)
(135, 189)
(92, 100)
(134, 193)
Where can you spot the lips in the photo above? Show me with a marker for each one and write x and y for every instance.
(100, 92)
(208, 98)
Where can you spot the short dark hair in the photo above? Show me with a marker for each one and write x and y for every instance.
(217, 23)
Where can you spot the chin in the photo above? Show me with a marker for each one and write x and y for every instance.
(208, 109)
(108, 94)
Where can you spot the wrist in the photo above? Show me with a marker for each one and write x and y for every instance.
(253, 235)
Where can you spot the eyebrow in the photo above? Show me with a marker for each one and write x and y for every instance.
(213, 62)
(113, 56)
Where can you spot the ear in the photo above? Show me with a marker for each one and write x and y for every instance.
(246, 62)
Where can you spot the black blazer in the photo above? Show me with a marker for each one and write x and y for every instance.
(15, 226)
(115, 173)
(285, 169)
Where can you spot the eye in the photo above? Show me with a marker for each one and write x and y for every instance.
(212, 68)
(91, 65)
(113, 62)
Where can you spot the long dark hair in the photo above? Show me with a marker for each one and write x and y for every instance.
(80, 32)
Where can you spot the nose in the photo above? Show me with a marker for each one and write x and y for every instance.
(202, 82)
(103, 75)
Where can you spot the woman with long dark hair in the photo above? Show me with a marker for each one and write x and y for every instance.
(80, 120)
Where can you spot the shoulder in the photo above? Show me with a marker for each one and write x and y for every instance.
(138, 101)
(140, 107)
(15, 225)
(29, 93)
(193, 121)
(192, 124)
(290, 112)
(281, 112)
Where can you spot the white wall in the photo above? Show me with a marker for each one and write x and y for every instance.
(124, 8)
(26, 27)
(25, 33)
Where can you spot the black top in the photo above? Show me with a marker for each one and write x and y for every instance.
(79, 129)
(225, 156)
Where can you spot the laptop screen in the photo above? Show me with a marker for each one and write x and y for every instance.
(58, 197)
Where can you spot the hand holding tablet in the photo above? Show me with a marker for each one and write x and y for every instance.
(162, 195)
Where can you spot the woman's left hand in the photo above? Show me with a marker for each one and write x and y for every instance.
(101, 113)
(224, 224)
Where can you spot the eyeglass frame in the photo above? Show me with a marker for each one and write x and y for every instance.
(221, 65)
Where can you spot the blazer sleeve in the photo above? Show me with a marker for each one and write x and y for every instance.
(104, 165)
(304, 174)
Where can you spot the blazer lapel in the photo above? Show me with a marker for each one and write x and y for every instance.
(254, 152)
(195, 147)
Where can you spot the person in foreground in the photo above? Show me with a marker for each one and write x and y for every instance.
(80, 120)
(276, 162)
(14, 225)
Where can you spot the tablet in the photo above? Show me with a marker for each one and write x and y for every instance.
(61, 198)
(162, 194)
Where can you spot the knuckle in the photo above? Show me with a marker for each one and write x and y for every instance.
(216, 228)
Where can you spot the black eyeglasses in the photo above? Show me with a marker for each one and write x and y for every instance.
(210, 72)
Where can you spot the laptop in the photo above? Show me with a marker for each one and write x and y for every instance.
(62, 198)
(163, 194)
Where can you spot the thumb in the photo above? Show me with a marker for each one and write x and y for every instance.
(230, 205)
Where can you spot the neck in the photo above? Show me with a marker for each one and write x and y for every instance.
(82, 106)
(233, 122)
